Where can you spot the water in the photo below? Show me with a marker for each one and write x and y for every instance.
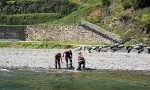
(19, 80)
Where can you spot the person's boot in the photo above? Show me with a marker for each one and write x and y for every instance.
(78, 68)
(83, 67)
(55, 66)
(59, 67)
(67, 65)
(71, 65)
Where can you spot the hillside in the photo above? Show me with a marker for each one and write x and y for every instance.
(29, 12)
(127, 18)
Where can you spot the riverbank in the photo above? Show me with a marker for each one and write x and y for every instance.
(43, 59)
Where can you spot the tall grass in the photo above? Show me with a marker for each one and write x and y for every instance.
(35, 45)
(81, 12)
(28, 19)
(49, 44)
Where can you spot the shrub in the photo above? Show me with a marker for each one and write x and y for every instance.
(136, 4)
(105, 3)
(126, 4)
(38, 6)
(140, 3)
(26, 19)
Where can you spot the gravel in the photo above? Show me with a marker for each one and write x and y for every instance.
(44, 58)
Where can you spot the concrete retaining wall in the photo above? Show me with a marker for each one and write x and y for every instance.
(70, 32)
(12, 32)
(62, 33)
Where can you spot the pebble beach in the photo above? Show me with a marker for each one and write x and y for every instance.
(44, 58)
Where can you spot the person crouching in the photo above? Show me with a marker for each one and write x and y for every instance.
(81, 61)
(58, 58)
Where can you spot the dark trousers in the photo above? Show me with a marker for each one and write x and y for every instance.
(57, 62)
(79, 65)
(68, 59)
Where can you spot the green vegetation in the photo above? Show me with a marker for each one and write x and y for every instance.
(29, 12)
(47, 44)
(10, 7)
(127, 18)
(126, 4)
(70, 11)
(84, 9)
(140, 3)
(28, 19)
(74, 81)
(136, 4)
(35, 45)
(106, 3)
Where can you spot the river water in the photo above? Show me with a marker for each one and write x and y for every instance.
(25, 80)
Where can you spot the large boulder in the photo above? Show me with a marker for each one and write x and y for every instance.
(105, 49)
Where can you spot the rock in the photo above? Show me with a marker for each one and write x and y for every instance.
(98, 48)
(116, 47)
(129, 48)
(145, 50)
(88, 48)
(104, 49)
(7, 61)
(78, 48)
(148, 49)
(124, 19)
(138, 48)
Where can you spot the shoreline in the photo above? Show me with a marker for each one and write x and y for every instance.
(43, 60)
(43, 70)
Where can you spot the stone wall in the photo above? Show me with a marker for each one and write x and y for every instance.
(70, 32)
(62, 33)
(12, 32)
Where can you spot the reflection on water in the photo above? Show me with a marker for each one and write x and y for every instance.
(74, 81)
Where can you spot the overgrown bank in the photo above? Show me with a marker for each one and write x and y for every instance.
(34, 45)
(50, 44)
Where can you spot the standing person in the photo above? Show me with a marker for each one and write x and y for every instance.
(81, 61)
(58, 58)
(68, 57)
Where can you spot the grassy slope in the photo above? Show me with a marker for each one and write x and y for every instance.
(130, 28)
(92, 11)
(85, 7)
(28, 19)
